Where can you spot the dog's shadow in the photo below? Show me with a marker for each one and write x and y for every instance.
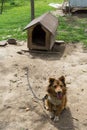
(66, 121)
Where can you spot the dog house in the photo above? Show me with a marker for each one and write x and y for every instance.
(41, 32)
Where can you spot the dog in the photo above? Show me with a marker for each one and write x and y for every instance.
(55, 100)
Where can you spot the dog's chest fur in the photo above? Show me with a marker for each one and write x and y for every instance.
(54, 100)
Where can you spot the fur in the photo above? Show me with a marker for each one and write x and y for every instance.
(56, 98)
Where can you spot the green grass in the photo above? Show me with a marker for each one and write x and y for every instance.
(13, 21)
(72, 29)
(16, 17)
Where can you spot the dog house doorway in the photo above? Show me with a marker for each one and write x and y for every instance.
(38, 36)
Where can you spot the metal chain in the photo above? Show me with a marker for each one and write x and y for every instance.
(40, 99)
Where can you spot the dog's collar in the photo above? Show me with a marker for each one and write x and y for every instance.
(55, 101)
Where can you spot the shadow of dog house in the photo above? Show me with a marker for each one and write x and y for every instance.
(41, 32)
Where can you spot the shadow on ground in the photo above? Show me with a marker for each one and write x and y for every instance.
(65, 122)
(80, 13)
(58, 51)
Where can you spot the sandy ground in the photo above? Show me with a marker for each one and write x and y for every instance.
(19, 110)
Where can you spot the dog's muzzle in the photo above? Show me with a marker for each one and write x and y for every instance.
(59, 95)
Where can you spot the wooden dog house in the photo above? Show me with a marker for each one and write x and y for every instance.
(41, 32)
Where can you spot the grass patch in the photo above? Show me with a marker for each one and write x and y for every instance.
(72, 29)
(15, 17)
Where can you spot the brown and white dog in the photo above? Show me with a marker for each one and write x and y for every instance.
(56, 99)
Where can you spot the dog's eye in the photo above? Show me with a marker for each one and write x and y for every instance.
(54, 86)
(61, 85)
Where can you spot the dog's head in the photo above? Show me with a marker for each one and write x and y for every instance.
(57, 87)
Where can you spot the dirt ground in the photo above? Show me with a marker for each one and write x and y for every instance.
(19, 110)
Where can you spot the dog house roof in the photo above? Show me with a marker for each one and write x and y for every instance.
(49, 21)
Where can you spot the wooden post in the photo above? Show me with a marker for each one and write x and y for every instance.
(32, 9)
(2, 3)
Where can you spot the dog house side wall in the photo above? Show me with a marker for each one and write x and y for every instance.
(52, 40)
(30, 45)
(29, 36)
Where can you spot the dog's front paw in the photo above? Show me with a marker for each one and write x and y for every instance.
(56, 118)
(51, 115)
(47, 108)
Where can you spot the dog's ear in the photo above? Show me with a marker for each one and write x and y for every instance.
(62, 78)
(51, 80)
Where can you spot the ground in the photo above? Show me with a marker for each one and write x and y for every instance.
(19, 110)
